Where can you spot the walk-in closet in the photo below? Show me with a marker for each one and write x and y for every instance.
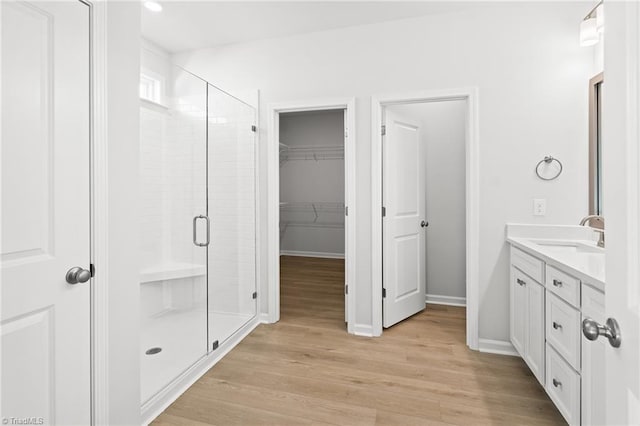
(312, 216)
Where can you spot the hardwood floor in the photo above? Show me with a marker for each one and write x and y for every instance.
(306, 370)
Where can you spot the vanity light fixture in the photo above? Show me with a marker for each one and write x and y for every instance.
(592, 25)
(153, 6)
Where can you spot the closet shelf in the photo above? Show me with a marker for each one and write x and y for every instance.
(311, 215)
(315, 153)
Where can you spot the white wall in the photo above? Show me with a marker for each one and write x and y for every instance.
(319, 181)
(532, 77)
(442, 131)
(123, 72)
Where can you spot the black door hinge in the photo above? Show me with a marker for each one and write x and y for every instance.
(384, 211)
(254, 295)
(383, 131)
(214, 345)
(254, 128)
(384, 292)
(346, 289)
(92, 269)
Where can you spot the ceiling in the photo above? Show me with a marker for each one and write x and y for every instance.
(187, 25)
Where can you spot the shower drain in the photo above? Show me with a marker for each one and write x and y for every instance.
(153, 351)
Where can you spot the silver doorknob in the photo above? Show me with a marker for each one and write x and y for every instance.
(611, 330)
(77, 275)
(424, 224)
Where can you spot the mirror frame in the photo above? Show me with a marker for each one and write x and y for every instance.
(595, 144)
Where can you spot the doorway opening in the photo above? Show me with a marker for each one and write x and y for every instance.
(312, 216)
(423, 192)
(311, 203)
(424, 241)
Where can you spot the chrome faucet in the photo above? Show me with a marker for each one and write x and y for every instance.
(600, 230)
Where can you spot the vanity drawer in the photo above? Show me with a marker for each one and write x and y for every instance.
(528, 264)
(564, 285)
(563, 329)
(563, 386)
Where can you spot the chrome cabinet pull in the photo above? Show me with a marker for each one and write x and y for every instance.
(195, 233)
(521, 282)
(557, 283)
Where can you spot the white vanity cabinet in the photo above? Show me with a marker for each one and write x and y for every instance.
(527, 320)
(547, 307)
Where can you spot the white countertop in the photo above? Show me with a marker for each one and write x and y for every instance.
(572, 249)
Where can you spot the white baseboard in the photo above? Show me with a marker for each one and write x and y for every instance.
(312, 254)
(363, 330)
(446, 300)
(497, 347)
(264, 318)
(156, 405)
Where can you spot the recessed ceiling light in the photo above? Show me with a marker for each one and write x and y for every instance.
(153, 6)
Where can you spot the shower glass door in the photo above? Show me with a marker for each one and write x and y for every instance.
(173, 225)
(231, 208)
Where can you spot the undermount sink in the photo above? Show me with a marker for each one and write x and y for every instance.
(569, 247)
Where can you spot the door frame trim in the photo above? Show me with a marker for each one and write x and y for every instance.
(99, 215)
(472, 196)
(273, 199)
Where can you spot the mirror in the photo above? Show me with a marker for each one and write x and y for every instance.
(595, 144)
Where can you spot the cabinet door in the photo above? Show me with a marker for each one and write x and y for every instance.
(534, 338)
(518, 309)
(593, 361)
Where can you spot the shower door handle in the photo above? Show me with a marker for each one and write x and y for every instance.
(195, 232)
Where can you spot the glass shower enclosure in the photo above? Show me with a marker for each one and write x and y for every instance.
(197, 222)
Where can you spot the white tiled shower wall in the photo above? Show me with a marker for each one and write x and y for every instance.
(173, 181)
(231, 206)
(173, 185)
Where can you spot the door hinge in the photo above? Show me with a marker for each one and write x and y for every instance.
(92, 269)
(384, 211)
(346, 289)
(254, 295)
(384, 292)
(383, 131)
(346, 133)
(254, 128)
(346, 210)
(214, 345)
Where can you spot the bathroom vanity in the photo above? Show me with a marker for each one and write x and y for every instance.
(557, 281)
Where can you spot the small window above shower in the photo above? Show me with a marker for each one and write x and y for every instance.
(151, 87)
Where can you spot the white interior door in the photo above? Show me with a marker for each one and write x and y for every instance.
(404, 199)
(621, 180)
(45, 212)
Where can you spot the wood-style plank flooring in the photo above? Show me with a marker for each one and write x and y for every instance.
(306, 369)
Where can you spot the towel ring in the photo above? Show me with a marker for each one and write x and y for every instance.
(548, 160)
